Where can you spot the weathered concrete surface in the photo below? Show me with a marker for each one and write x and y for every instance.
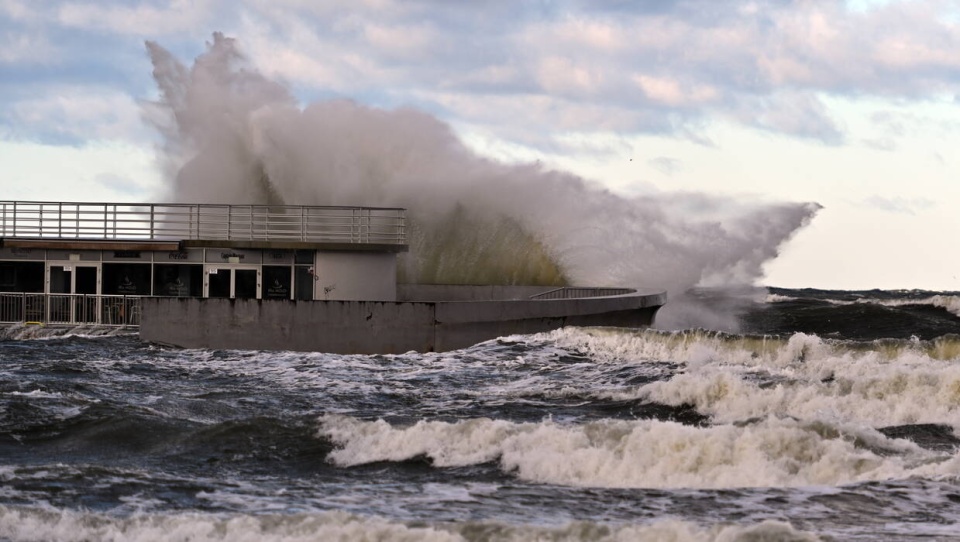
(361, 327)
(456, 292)
(355, 276)
(368, 327)
(464, 323)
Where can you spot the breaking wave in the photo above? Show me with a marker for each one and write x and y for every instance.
(646, 453)
(31, 524)
(739, 377)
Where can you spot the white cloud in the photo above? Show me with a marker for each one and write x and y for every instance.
(909, 206)
(405, 40)
(796, 114)
(499, 114)
(561, 75)
(579, 67)
(595, 35)
(27, 48)
(143, 19)
(77, 113)
(92, 172)
(674, 65)
(671, 92)
(573, 82)
(665, 164)
(20, 10)
(489, 76)
(886, 144)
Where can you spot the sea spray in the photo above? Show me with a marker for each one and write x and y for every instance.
(233, 136)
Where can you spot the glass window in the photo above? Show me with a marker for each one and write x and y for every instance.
(304, 278)
(125, 279)
(276, 281)
(178, 280)
(304, 257)
(21, 277)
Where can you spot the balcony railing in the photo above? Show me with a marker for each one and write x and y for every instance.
(69, 309)
(174, 221)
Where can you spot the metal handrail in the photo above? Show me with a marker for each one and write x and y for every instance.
(72, 309)
(579, 292)
(182, 221)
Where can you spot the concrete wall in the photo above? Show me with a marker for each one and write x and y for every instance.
(456, 292)
(355, 276)
(369, 327)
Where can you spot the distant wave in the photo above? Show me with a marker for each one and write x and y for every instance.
(949, 302)
(866, 314)
(778, 298)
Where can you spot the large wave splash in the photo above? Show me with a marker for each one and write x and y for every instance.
(231, 135)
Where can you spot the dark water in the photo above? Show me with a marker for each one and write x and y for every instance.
(832, 415)
(873, 314)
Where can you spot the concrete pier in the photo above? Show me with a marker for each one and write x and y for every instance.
(266, 277)
(385, 327)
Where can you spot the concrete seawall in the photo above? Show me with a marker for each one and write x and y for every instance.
(377, 327)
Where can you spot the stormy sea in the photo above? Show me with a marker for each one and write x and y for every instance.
(829, 416)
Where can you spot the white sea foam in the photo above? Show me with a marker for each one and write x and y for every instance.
(17, 524)
(949, 302)
(22, 332)
(37, 394)
(646, 453)
(35, 524)
(736, 377)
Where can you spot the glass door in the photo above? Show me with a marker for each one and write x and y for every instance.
(78, 286)
(231, 282)
(246, 283)
(218, 282)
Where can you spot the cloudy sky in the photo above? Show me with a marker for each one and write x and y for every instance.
(851, 104)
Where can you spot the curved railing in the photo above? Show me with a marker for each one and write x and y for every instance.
(579, 292)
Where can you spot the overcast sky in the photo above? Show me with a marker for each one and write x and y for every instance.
(854, 105)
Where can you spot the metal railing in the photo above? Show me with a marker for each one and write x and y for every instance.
(175, 221)
(577, 292)
(70, 309)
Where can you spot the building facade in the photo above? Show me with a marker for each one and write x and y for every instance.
(64, 262)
